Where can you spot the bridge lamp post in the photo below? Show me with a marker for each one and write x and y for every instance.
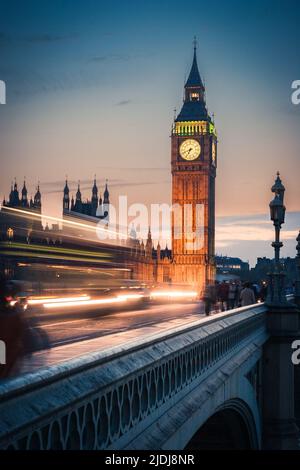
(276, 294)
(279, 425)
(297, 290)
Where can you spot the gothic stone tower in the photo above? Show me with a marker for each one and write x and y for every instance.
(193, 163)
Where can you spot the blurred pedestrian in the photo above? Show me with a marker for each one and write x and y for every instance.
(238, 294)
(247, 295)
(209, 298)
(263, 291)
(223, 295)
(11, 330)
(256, 289)
(232, 295)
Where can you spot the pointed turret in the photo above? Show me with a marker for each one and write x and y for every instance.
(37, 198)
(106, 202)
(95, 189)
(194, 78)
(66, 188)
(142, 248)
(24, 195)
(78, 193)
(100, 207)
(66, 198)
(149, 244)
(194, 106)
(94, 198)
(15, 195)
(78, 202)
(11, 194)
(158, 251)
(132, 233)
(106, 195)
(149, 239)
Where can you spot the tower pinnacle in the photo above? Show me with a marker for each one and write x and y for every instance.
(195, 43)
(194, 107)
(194, 79)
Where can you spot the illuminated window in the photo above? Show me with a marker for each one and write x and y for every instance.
(10, 233)
(194, 96)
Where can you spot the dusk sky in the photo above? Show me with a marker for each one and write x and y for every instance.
(92, 87)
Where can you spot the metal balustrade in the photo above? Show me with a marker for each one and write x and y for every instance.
(104, 401)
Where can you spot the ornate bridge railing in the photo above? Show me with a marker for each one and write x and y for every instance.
(108, 399)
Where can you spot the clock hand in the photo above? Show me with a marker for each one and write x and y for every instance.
(188, 151)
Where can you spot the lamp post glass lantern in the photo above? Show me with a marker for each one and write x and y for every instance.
(276, 294)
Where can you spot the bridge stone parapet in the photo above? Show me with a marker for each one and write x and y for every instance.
(151, 394)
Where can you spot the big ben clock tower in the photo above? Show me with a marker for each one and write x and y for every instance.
(193, 162)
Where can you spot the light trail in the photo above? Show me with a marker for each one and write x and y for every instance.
(130, 297)
(91, 302)
(83, 303)
(85, 300)
(173, 294)
(57, 300)
(62, 221)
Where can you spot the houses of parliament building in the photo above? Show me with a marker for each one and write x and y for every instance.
(193, 168)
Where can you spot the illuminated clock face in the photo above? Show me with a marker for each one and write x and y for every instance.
(190, 149)
(213, 153)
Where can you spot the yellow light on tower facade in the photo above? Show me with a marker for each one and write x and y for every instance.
(194, 127)
(10, 233)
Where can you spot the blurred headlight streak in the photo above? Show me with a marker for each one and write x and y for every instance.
(59, 300)
(83, 303)
(173, 294)
(92, 302)
(91, 228)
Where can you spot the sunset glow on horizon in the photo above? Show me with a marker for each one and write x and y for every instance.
(92, 91)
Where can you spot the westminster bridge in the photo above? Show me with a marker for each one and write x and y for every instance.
(224, 381)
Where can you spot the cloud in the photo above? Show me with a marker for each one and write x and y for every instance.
(101, 59)
(123, 103)
(110, 57)
(249, 222)
(133, 184)
(56, 187)
(250, 233)
(130, 169)
(247, 237)
(44, 38)
(258, 228)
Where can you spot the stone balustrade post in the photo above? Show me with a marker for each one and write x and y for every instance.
(278, 412)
